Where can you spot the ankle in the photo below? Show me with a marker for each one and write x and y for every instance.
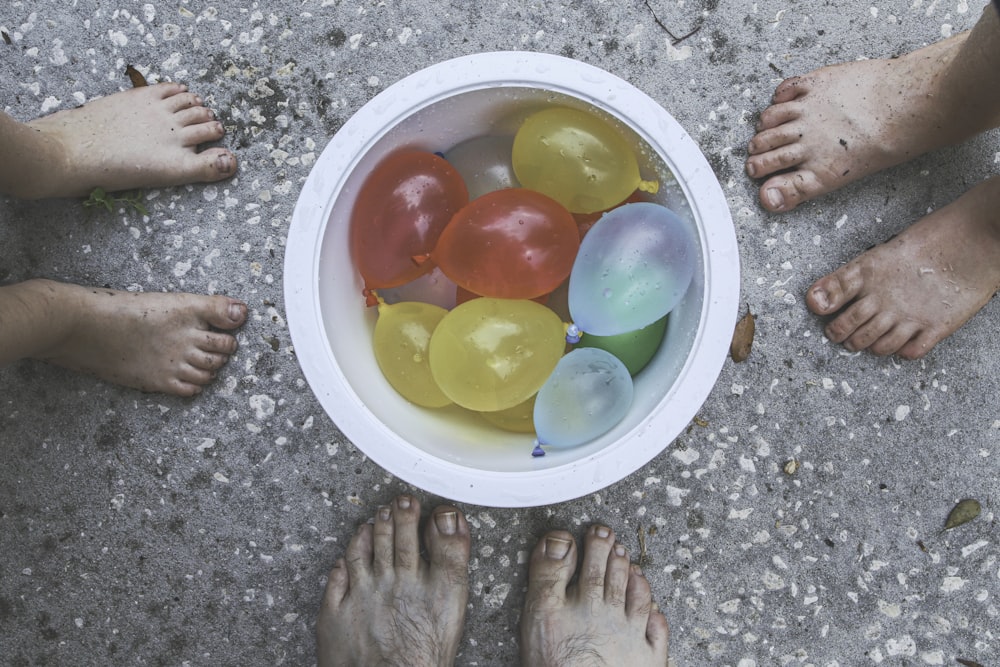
(55, 310)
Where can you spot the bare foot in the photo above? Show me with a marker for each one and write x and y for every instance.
(841, 123)
(384, 604)
(147, 341)
(605, 618)
(906, 295)
(142, 137)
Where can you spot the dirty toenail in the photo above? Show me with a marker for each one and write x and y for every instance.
(775, 198)
(655, 607)
(235, 312)
(603, 532)
(384, 513)
(619, 550)
(636, 570)
(556, 548)
(224, 163)
(446, 522)
(751, 168)
(403, 502)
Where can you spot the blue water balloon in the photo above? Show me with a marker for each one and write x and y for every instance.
(634, 266)
(587, 394)
(484, 163)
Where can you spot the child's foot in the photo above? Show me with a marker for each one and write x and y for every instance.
(384, 604)
(841, 123)
(139, 138)
(148, 341)
(605, 618)
(906, 295)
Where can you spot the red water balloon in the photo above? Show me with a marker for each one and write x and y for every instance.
(510, 244)
(402, 208)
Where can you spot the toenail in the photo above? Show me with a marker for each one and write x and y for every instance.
(775, 198)
(224, 163)
(603, 532)
(446, 522)
(821, 298)
(235, 312)
(384, 513)
(636, 570)
(751, 169)
(619, 550)
(403, 502)
(556, 548)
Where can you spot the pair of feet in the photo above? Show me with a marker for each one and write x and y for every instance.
(385, 604)
(841, 123)
(143, 137)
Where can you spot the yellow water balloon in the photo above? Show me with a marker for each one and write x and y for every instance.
(401, 340)
(578, 159)
(492, 354)
(518, 419)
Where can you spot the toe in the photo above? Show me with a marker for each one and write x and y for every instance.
(894, 339)
(178, 387)
(553, 561)
(202, 133)
(869, 332)
(359, 555)
(212, 164)
(835, 290)
(224, 313)
(776, 115)
(598, 544)
(919, 346)
(857, 315)
(768, 140)
(383, 542)
(208, 361)
(638, 596)
(196, 115)
(182, 100)
(337, 584)
(786, 191)
(406, 516)
(215, 343)
(790, 88)
(166, 89)
(779, 159)
(617, 576)
(448, 544)
(658, 635)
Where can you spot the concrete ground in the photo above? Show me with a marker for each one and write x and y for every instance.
(141, 529)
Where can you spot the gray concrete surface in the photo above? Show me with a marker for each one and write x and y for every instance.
(141, 529)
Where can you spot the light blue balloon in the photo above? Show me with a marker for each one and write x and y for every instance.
(589, 392)
(484, 163)
(634, 265)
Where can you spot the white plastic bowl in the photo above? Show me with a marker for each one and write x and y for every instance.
(448, 452)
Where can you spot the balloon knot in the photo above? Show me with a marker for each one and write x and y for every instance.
(652, 187)
(371, 298)
(573, 334)
(420, 260)
(537, 451)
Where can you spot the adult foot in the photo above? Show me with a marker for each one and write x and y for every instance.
(841, 123)
(605, 618)
(142, 137)
(384, 604)
(148, 341)
(906, 295)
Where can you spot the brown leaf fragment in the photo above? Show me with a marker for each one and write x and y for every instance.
(135, 76)
(964, 512)
(967, 663)
(739, 349)
(643, 560)
(272, 341)
(701, 422)
(6, 37)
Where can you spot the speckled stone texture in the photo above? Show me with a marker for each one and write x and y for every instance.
(148, 530)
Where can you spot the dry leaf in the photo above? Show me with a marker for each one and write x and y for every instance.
(967, 663)
(134, 75)
(739, 349)
(965, 511)
(6, 37)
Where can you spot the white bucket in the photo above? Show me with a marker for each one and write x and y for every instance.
(449, 452)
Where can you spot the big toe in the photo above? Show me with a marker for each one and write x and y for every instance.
(448, 545)
(210, 165)
(552, 564)
(223, 312)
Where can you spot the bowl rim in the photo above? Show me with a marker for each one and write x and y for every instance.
(426, 87)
